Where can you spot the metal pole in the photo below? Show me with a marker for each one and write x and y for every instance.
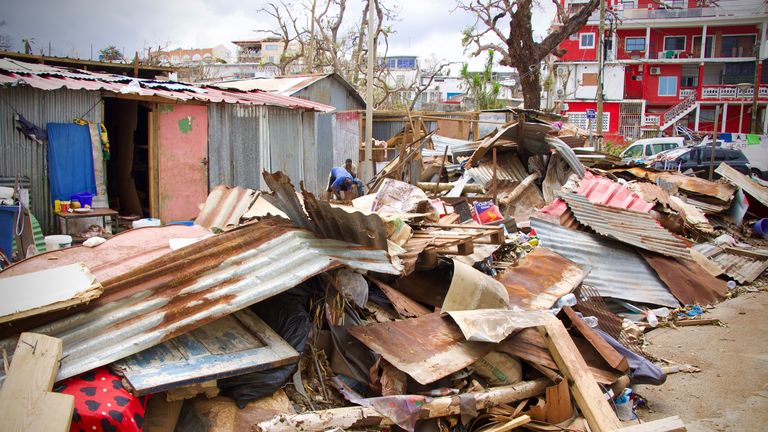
(600, 63)
(756, 88)
(368, 162)
(713, 145)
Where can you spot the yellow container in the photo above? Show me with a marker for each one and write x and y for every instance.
(57, 206)
(74, 204)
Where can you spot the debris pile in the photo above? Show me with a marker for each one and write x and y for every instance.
(428, 306)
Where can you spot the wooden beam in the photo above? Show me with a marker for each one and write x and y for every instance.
(589, 397)
(510, 425)
(669, 424)
(26, 400)
(559, 406)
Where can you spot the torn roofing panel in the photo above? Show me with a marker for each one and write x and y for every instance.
(195, 285)
(508, 167)
(616, 270)
(233, 345)
(601, 190)
(225, 206)
(539, 279)
(749, 186)
(687, 280)
(722, 191)
(427, 348)
(637, 229)
(741, 268)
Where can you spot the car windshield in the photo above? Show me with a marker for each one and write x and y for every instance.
(634, 151)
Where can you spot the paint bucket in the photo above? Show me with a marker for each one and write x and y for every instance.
(53, 242)
(84, 198)
(148, 222)
(761, 227)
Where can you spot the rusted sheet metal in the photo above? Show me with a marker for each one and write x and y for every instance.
(601, 190)
(473, 289)
(427, 348)
(721, 191)
(45, 77)
(539, 279)
(616, 270)
(637, 229)
(324, 220)
(749, 186)
(233, 345)
(195, 285)
(494, 325)
(119, 255)
(225, 206)
(741, 268)
(404, 305)
(687, 280)
(508, 167)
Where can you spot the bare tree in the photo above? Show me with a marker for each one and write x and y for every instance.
(505, 27)
(6, 41)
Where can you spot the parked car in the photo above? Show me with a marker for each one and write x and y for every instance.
(756, 153)
(642, 149)
(697, 160)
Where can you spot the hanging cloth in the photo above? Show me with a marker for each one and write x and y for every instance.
(29, 129)
(70, 160)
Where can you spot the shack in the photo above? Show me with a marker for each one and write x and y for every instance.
(166, 140)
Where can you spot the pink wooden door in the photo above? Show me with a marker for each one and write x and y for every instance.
(182, 161)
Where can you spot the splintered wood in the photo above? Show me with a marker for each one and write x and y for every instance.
(26, 400)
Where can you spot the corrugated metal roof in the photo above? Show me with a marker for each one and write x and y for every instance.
(638, 229)
(456, 147)
(508, 167)
(616, 270)
(601, 190)
(196, 285)
(749, 186)
(44, 77)
(721, 191)
(741, 268)
(225, 206)
(288, 85)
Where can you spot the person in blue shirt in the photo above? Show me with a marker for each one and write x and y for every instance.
(342, 180)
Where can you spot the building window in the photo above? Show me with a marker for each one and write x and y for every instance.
(271, 59)
(270, 47)
(676, 4)
(634, 44)
(589, 79)
(674, 43)
(581, 121)
(586, 40)
(668, 86)
(406, 63)
(628, 4)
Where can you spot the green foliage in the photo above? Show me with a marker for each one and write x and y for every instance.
(613, 148)
(110, 53)
(481, 86)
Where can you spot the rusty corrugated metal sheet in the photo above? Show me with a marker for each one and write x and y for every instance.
(687, 280)
(44, 77)
(741, 268)
(616, 270)
(427, 348)
(541, 278)
(508, 167)
(225, 206)
(195, 285)
(749, 186)
(637, 229)
(601, 190)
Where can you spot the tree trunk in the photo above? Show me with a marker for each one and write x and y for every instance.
(531, 85)
(524, 54)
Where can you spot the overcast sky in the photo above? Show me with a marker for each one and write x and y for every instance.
(72, 27)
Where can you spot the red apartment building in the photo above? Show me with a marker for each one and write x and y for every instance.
(656, 74)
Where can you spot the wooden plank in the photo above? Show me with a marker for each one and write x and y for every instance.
(512, 424)
(405, 306)
(47, 290)
(584, 388)
(606, 351)
(559, 406)
(234, 345)
(26, 400)
(669, 424)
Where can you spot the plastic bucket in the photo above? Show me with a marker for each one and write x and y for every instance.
(149, 222)
(84, 198)
(53, 242)
(761, 227)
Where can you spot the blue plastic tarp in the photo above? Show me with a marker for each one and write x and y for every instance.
(70, 160)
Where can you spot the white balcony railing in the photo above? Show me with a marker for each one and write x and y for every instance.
(684, 93)
(651, 120)
(731, 92)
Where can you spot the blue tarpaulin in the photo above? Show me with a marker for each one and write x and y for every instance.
(70, 160)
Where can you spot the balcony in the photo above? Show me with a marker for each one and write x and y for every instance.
(732, 92)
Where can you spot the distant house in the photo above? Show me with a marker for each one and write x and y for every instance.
(339, 132)
(169, 141)
(191, 56)
(265, 50)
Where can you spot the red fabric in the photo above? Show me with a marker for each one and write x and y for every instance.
(102, 404)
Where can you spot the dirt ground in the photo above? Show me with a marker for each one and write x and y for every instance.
(731, 391)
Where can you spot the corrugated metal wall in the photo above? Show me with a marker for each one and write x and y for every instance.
(233, 145)
(22, 156)
(286, 142)
(384, 130)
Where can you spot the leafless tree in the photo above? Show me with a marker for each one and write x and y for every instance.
(505, 27)
(6, 41)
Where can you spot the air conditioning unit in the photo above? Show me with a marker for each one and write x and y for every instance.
(562, 71)
(560, 92)
(655, 71)
(640, 68)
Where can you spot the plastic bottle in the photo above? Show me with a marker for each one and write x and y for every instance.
(731, 284)
(651, 318)
(566, 300)
(591, 321)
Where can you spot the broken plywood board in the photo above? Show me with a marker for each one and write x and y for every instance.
(669, 424)
(494, 325)
(46, 290)
(589, 398)
(26, 400)
(427, 348)
(233, 345)
(472, 289)
(539, 279)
